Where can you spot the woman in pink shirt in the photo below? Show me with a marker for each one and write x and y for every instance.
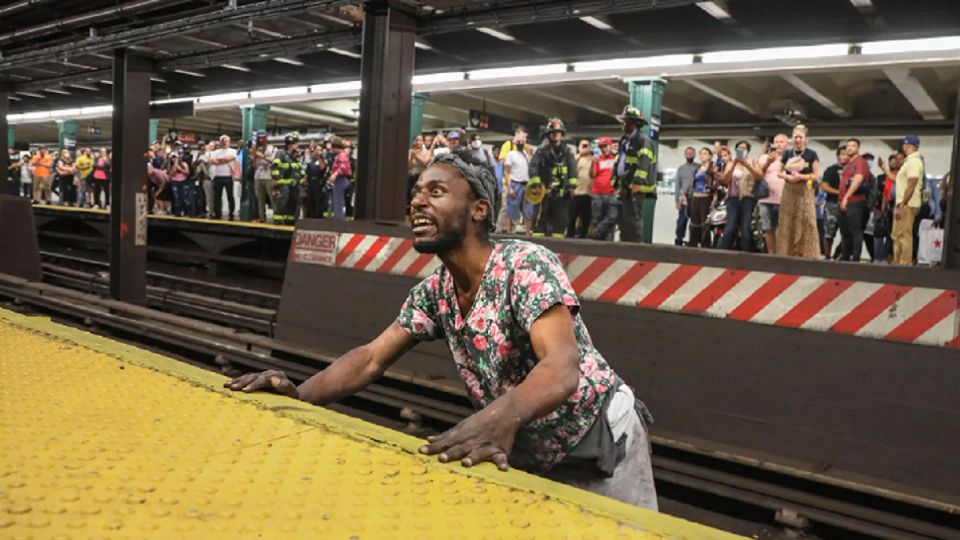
(770, 207)
(341, 174)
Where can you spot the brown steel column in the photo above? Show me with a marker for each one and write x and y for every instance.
(128, 186)
(6, 186)
(385, 94)
(951, 235)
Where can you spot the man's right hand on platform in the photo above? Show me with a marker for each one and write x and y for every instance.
(272, 380)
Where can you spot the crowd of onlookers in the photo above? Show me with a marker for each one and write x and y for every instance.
(785, 201)
(780, 200)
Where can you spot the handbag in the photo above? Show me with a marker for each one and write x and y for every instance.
(760, 189)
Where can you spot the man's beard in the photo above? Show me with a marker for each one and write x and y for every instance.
(444, 241)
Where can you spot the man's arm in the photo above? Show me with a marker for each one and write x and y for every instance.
(349, 374)
(851, 189)
(488, 435)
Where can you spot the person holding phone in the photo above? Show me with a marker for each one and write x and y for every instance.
(739, 175)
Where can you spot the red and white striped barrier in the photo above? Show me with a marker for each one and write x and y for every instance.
(875, 310)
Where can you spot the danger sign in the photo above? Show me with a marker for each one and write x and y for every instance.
(314, 247)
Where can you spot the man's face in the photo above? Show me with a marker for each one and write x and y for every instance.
(689, 153)
(853, 148)
(556, 137)
(520, 136)
(224, 142)
(629, 127)
(606, 149)
(428, 140)
(780, 143)
(440, 209)
(584, 148)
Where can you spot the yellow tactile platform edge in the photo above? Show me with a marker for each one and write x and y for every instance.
(83, 454)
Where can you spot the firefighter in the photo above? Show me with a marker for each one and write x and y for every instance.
(286, 172)
(553, 167)
(635, 172)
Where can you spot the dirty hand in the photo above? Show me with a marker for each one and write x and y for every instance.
(486, 435)
(274, 380)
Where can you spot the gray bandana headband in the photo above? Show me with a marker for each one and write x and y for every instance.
(479, 178)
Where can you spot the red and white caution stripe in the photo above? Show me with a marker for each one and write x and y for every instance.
(875, 310)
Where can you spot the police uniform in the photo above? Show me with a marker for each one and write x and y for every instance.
(286, 172)
(555, 167)
(636, 165)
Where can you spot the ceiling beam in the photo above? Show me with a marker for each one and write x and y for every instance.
(557, 93)
(509, 98)
(827, 95)
(723, 91)
(679, 105)
(917, 94)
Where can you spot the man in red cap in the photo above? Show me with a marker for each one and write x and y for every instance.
(603, 198)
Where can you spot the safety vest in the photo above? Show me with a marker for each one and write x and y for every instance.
(285, 169)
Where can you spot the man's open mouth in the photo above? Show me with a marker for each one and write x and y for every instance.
(423, 225)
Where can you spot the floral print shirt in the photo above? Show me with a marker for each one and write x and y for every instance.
(492, 349)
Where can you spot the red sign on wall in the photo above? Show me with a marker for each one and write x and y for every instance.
(314, 247)
(189, 137)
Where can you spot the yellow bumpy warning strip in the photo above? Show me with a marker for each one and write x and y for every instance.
(101, 439)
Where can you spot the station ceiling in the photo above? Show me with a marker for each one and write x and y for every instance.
(57, 54)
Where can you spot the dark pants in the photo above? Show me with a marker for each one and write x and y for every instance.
(851, 231)
(341, 197)
(183, 198)
(699, 228)
(221, 183)
(101, 186)
(348, 209)
(552, 214)
(68, 192)
(739, 217)
(604, 211)
(285, 199)
(636, 216)
(318, 198)
(579, 210)
(682, 219)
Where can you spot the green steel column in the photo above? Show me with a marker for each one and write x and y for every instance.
(152, 127)
(11, 136)
(254, 117)
(416, 115)
(646, 94)
(67, 133)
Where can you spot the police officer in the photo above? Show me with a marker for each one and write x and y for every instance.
(555, 168)
(286, 172)
(635, 172)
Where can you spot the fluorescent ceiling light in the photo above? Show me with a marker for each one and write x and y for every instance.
(85, 87)
(421, 45)
(776, 53)
(235, 67)
(158, 79)
(716, 10)
(291, 61)
(634, 63)
(59, 113)
(14, 117)
(57, 91)
(173, 100)
(99, 109)
(13, 98)
(229, 96)
(496, 33)
(946, 43)
(451, 76)
(596, 23)
(190, 73)
(344, 52)
(106, 82)
(31, 94)
(35, 115)
(277, 92)
(862, 3)
(519, 71)
(335, 87)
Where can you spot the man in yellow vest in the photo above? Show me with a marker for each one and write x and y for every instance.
(635, 173)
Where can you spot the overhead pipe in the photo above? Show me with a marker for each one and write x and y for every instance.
(10, 9)
(72, 21)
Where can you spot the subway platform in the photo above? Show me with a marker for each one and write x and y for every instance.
(102, 439)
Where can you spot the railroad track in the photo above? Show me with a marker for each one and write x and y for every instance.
(232, 339)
